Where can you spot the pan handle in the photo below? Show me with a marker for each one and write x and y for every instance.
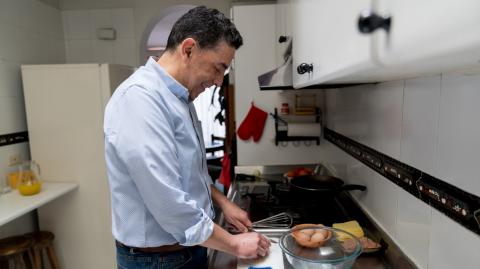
(351, 187)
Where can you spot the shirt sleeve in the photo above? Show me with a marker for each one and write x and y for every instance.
(145, 145)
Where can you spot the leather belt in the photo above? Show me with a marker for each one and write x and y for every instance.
(160, 249)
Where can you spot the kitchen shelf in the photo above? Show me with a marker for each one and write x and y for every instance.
(281, 127)
(14, 205)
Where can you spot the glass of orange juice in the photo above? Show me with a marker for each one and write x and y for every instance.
(29, 178)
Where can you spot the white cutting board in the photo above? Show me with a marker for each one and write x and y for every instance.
(274, 259)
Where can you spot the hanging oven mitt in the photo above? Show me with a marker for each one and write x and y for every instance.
(253, 124)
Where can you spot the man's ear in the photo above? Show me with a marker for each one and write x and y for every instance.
(187, 47)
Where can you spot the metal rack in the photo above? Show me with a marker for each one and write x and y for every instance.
(281, 129)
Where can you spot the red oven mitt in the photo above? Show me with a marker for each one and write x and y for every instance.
(253, 124)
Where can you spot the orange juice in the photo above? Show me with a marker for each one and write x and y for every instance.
(30, 189)
(13, 179)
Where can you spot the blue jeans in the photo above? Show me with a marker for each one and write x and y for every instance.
(188, 258)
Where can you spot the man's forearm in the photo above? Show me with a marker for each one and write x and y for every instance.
(218, 198)
(220, 240)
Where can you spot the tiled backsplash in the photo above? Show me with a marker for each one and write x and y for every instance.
(427, 123)
(82, 44)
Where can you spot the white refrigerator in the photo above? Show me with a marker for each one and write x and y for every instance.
(65, 106)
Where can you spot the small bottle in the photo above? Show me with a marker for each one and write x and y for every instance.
(285, 110)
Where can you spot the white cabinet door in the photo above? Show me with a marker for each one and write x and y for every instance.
(326, 36)
(283, 28)
(430, 36)
(302, 15)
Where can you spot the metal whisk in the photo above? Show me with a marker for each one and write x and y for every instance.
(282, 220)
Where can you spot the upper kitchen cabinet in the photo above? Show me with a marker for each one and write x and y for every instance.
(326, 42)
(283, 29)
(398, 39)
(429, 36)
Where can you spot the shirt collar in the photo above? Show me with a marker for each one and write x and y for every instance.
(174, 86)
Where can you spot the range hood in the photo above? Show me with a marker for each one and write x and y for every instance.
(281, 77)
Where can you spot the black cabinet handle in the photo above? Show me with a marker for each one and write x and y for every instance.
(368, 22)
(304, 68)
(282, 39)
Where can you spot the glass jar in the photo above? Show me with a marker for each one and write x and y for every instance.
(29, 178)
(285, 110)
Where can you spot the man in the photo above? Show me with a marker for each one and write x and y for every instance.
(160, 190)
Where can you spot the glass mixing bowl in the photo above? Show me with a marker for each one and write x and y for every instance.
(333, 254)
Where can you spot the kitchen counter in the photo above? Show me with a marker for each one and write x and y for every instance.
(14, 205)
(390, 257)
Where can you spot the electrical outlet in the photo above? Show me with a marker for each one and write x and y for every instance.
(14, 159)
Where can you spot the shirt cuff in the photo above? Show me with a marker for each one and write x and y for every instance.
(199, 233)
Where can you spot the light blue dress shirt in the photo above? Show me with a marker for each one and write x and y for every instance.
(157, 172)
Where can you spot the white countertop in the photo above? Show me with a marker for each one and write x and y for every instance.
(14, 205)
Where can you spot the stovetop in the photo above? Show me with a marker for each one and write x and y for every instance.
(257, 199)
(262, 203)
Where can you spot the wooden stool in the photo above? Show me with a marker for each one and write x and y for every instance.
(43, 240)
(15, 248)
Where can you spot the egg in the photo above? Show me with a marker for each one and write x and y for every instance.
(308, 232)
(302, 237)
(317, 237)
(324, 232)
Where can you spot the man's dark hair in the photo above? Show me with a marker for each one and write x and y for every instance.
(207, 26)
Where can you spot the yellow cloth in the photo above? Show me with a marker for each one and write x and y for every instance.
(350, 226)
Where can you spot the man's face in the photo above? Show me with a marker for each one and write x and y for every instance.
(207, 67)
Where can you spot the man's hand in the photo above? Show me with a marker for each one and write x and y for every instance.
(245, 245)
(237, 217)
(234, 215)
(250, 245)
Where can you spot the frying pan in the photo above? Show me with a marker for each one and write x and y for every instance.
(311, 187)
(322, 183)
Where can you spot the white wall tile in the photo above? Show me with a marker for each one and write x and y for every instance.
(384, 117)
(459, 132)
(123, 22)
(65, 27)
(419, 132)
(57, 52)
(10, 80)
(346, 112)
(380, 199)
(125, 52)
(9, 49)
(100, 18)
(413, 227)
(53, 24)
(27, 17)
(452, 245)
(103, 51)
(12, 115)
(78, 24)
(9, 11)
(420, 122)
(79, 51)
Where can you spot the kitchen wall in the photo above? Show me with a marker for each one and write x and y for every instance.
(30, 33)
(133, 19)
(429, 123)
(82, 44)
(256, 23)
